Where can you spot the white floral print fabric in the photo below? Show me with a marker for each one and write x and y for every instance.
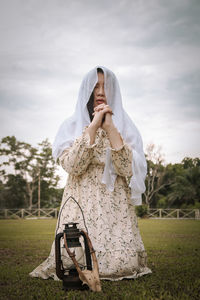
(110, 216)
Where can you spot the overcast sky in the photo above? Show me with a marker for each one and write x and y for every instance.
(153, 47)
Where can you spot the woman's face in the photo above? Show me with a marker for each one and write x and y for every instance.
(99, 93)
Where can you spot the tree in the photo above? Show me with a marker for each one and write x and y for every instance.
(21, 159)
(46, 176)
(185, 190)
(155, 173)
(13, 193)
(33, 165)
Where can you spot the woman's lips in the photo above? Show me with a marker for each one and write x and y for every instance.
(100, 101)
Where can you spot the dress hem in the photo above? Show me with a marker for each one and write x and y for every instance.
(135, 275)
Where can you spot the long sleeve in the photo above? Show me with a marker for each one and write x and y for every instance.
(122, 160)
(76, 158)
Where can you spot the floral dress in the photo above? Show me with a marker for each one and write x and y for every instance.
(110, 216)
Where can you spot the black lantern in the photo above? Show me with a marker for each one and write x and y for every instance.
(69, 275)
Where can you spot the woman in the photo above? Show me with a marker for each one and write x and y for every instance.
(101, 150)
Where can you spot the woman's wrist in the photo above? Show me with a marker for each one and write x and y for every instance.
(91, 130)
(110, 129)
(114, 137)
(93, 127)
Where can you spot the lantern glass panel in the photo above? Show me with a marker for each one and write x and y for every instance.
(79, 254)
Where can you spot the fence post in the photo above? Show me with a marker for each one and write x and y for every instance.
(196, 214)
(178, 211)
(6, 213)
(22, 213)
(160, 212)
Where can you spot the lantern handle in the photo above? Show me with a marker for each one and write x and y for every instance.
(62, 209)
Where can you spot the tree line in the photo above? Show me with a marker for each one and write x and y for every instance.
(29, 178)
(172, 185)
(28, 175)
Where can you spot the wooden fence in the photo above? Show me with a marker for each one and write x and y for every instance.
(25, 213)
(178, 213)
(44, 213)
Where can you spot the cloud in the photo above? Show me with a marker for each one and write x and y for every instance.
(152, 47)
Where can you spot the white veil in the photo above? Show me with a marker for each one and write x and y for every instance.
(72, 128)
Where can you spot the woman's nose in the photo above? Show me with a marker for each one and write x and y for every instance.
(101, 90)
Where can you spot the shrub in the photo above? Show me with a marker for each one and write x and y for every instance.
(141, 211)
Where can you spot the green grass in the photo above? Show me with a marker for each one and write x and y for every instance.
(173, 248)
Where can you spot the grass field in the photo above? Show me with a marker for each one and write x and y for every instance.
(173, 248)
